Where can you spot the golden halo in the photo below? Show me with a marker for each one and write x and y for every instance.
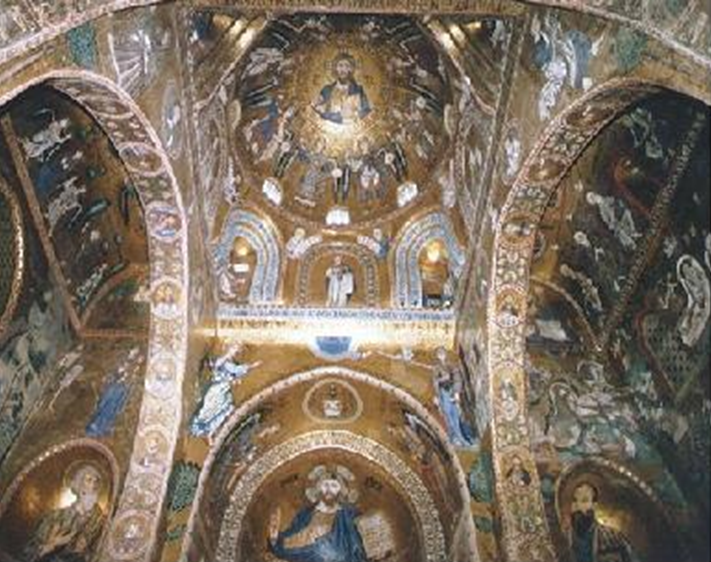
(76, 466)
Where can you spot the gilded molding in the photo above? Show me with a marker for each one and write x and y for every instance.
(477, 7)
(262, 325)
(18, 251)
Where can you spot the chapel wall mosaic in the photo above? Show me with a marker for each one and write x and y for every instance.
(60, 504)
(329, 243)
(258, 425)
(557, 342)
(647, 422)
(92, 392)
(36, 330)
(87, 208)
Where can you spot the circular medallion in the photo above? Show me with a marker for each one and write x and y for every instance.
(162, 382)
(163, 220)
(333, 401)
(141, 158)
(130, 535)
(167, 298)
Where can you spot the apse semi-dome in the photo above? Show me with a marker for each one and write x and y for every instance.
(342, 121)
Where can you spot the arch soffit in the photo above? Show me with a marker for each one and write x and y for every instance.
(309, 376)
(412, 238)
(562, 143)
(18, 254)
(141, 151)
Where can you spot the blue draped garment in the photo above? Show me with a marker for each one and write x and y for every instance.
(111, 404)
(342, 544)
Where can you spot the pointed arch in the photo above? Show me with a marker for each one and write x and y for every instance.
(547, 164)
(140, 149)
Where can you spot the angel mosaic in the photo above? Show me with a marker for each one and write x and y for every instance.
(218, 403)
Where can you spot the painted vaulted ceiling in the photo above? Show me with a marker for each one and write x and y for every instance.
(452, 258)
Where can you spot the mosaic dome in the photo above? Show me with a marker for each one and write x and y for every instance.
(342, 120)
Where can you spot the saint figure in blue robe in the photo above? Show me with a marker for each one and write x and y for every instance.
(325, 531)
(449, 395)
(113, 399)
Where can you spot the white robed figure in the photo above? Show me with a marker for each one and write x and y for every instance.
(341, 283)
(696, 285)
(218, 403)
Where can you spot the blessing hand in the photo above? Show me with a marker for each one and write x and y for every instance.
(56, 539)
